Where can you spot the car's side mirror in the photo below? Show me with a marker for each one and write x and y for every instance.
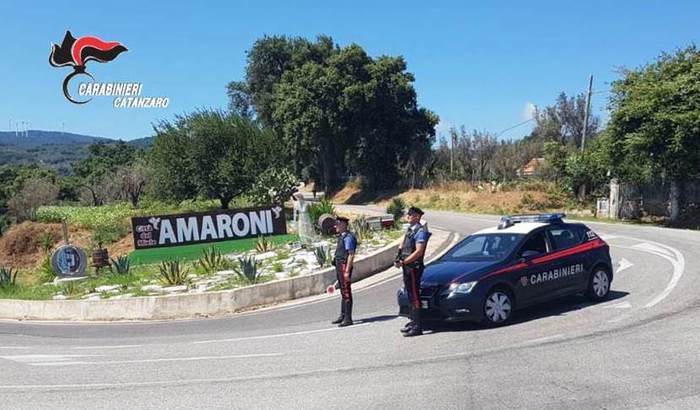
(529, 255)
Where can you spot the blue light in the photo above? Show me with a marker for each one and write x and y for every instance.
(511, 220)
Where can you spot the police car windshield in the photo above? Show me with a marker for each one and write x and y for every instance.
(484, 247)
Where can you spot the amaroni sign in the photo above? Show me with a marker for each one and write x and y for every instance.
(223, 225)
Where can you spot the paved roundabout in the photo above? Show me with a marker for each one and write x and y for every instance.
(640, 348)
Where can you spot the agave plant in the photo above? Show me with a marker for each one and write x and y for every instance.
(173, 272)
(121, 265)
(322, 254)
(360, 227)
(46, 242)
(248, 269)
(7, 276)
(211, 260)
(263, 245)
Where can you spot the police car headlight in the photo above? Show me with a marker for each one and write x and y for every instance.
(461, 288)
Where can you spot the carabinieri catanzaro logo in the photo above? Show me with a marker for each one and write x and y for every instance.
(76, 53)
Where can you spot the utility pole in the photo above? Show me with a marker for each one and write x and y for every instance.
(582, 188)
(453, 137)
(587, 112)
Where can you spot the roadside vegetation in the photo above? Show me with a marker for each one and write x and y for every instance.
(348, 124)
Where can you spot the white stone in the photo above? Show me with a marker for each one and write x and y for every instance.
(90, 295)
(173, 289)
(60, 297)
(95, 297)
(107, 288)
(265, 255)
(124, 296)
(152, 288)
(59, 281)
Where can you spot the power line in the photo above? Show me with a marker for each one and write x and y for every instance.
(498, 134)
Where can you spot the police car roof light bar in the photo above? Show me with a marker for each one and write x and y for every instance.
(507, 221)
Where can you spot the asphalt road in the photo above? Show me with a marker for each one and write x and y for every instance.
(639, 349)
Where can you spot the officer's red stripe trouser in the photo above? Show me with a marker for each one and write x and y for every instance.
(345, 289)
(411, 280)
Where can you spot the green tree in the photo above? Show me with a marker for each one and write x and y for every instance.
(656, 119)
(210, 153)
(103, 160)
(337, 111)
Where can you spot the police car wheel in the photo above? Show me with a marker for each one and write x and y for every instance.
(498, 307)
(599, 285)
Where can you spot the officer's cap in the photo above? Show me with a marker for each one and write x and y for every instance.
(342, 219)
(415, 210)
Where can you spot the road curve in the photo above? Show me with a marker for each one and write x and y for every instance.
(638, 349)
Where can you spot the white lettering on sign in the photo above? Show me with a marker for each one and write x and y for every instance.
(187, 231)
(166, 232)
(208, 229)
(555, 274)
(177, 230)
(223, 222)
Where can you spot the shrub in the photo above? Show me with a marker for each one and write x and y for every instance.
(121, 265)
(248, 269)
(45, 270)
(527, 200)
(211, 260)
(277, 267)
(263, 244)
(325, 206)
(322, 253)
(71, 288)
(360, 228)
(7, 277)
(396, 208)
(173, 272)
(46, 241)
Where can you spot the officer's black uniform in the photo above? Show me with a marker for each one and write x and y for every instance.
(340, 262)
(412, 273)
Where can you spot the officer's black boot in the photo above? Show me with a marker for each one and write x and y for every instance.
(347, 319)
(342, 312)
(417, 329)
(410, 323)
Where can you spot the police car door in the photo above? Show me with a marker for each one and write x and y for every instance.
(532, 287)
(568, 263)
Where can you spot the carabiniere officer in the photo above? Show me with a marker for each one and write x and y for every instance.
(343, 261)
(410, 259)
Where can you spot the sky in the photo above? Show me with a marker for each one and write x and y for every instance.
(484, 65)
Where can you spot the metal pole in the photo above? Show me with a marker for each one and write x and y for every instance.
(586, 112)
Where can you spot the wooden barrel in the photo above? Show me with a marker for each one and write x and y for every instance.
(327, 224)
(100, 258)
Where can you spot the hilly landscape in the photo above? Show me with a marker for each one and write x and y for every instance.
(52, 149)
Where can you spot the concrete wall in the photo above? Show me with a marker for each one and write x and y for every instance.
(194, 304)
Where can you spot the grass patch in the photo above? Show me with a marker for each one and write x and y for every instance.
(194, 252)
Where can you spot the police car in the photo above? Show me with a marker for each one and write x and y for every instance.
(525, 260)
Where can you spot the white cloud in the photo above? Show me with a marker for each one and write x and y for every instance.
(529, 111)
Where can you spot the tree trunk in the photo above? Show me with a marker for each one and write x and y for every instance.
(676, 190)
(224, 202)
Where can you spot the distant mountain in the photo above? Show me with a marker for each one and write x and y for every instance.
(53, 149)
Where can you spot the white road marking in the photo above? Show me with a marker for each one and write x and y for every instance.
(544, 339)
(621, 305)
(104, 347)
(40, 358)
(669, 253)
(166, 359)
(622, 265)
(650, 247)
(304, 332)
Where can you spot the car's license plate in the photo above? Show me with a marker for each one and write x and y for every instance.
(424, 304)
